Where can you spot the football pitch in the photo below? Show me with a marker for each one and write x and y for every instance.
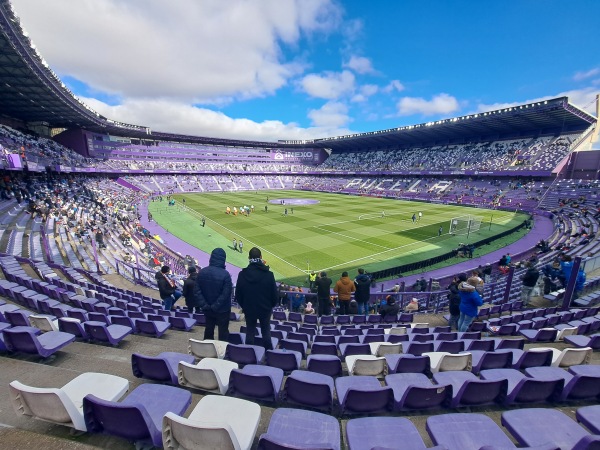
(323, 231)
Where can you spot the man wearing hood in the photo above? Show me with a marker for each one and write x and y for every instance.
(344, 289)
(256, 293)
(362, 283)
(213, 295)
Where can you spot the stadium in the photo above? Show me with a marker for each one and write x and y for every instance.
(92, 208)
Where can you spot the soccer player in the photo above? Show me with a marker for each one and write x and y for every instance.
(241, 246)
(420, 215)
(235, 245)
(440, 231)
(414, 218)
(383, 214)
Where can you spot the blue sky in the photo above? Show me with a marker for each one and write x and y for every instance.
(303, 69)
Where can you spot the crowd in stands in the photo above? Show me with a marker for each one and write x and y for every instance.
(43, 151)
(522, 154)
(542, 153)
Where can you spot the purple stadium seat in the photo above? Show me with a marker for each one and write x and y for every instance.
(310, 389)
(449, 346)
(139, 417)
(579, 341)
(18, 317)
(363, 394)
(162, 367)
(523, 389)
(256, 382)
(368, 433)
(279, 315)
(329, 365)
(402, 363)
(578, 384)
(152, 327)
(309, 430)
(540, 335)
(310, 319)
(417, 348)
(237, 338)
(110, 334)
(124, 321)
(416, 391)
(486, 345)
(464, 431)
(324, 338)
(468, 390)
(538, 426)
(182, 323)
(522, 359)
(294, 317)
(294, 345)
(73, 326)
(25, 340)
(590, 417)
(286, 360)
(499, 359)
(354, 349)
(511, 343)
(244, 354)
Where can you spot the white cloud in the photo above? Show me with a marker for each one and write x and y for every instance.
(175, 117)
(184, 50)
(394, 85)
(331, 114)
(588, 74)
(364, 92)
(330, 85)
(582, 98)
(439, 104)
(360, 64)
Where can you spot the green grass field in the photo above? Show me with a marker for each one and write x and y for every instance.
(339, 233)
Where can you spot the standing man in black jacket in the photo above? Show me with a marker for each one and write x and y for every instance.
(188, 290)
(213, 295)
(529, 281)
(323, 294)
(363, 292)
(256, 293)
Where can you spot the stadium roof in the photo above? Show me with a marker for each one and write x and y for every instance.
(32, 93)
(532, 119)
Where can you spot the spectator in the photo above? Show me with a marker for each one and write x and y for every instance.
(529, 281)
(188, 290)
(167, 288)
(413, 305)
(213, 294)
(362, 284)
(344, 289)
(470, 300)
(323, 285)
(256, 293)
(390, 308)
(454, 303)
(566, 267)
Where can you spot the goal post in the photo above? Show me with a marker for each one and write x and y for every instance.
(464, 225)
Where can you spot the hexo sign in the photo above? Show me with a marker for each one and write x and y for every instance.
(280, 155)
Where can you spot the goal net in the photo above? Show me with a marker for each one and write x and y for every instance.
(464, 225)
